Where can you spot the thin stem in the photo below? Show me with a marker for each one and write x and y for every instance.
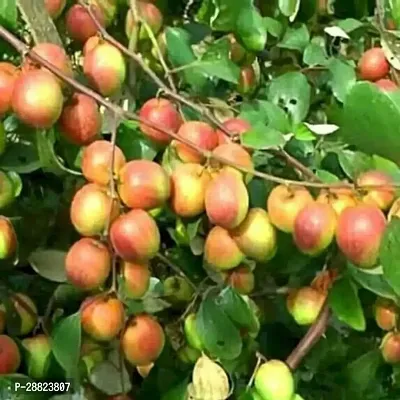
(259, 361)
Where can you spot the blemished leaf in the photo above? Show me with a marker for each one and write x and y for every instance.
(343, 78)
(8, 13)
(66, 343)
(220, 337)
(346, 305)
(389, 254)
(296, 38)
(49, 263)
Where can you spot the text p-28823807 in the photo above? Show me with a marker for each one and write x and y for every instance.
(29, 387)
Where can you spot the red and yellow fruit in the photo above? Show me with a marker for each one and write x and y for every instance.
(136, 279)
(142, 340)
(143, 184)
(373, 65)
(54, 7)
(386, 85)
(386, 313)
(390, 348)
(38, 350)
(236, 127)
(233, 153)
(247, 81)
(8, 238)
(88, 264)
(8, 76)
(27, 311)
(10, 356)
(241, 279)
(339, 199)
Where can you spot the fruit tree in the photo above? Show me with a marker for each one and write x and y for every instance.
(199, 200)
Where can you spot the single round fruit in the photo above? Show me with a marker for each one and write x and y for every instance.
(8, 238)
(90, 44)
(192, 334)
(359, 233)
(143, 340)
(386, 85)
(102, 317)
(234, 153)
(221, 252)
(274, 381)
(380, 197)
(236, 127)
(143, 184)
(79, 23)
(135, 236)
(241, 279)
(284, 203)
(315, 228)
(339, 199)
(188, 189)
(8, 76)
(10, 356)
(81, 121)
(177, 290)
(373, 65)
(163, 113)
(96, 161)
(7, 190)
(92, 209)
(386, 313)
(88, 264)
(27, 311)
(136, 279)
(247, 81)
(227, 200)
(105, 68)
(390, 348)
(259, 247)
(200, 134)
(38, 359)
(37, 99)
(54, 7)
(305, 304)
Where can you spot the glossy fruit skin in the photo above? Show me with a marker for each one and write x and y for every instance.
(54, 7)
(359, 233)
(200, 134)
(191, 333)
(10, 356)
(220, 250)
(88, 264)
(259, 247)
(235, 127)
(283, 205)
(37, 99)
(81, 121)
(241, 279)
(143, 184)
(105, 68)
(96, 161)
(227, 200)
(177, 289)
(274, 381)
(8, 76)
(102, 317)
(386, 85)
(80, 25)
(8, 238)
(7, 190)
(315, 228)
(305, 304)
(90, 44)
(27, 311)
(386, 314)
(247, 81)
(380, 197)
(38, 360)
(160, 112)
(188, 188)
(90, 210)
(136, 279)
(135, 236)
(390, 348)
(373, 65)
(233, 153)
(339, 199)
(143, 340)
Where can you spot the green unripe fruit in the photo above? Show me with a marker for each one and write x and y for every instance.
(188, 355)
(191, 333)
(2, 139)
(6, 189)
(177, 289)
(38, 351)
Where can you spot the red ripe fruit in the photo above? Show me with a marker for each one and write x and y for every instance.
(8, 76)
(143, 340)
(80, 25)
(8, 238)
(247, 81)
(163, 113)
(386, 314)
(234, 153)
(386, 85)
(390, 348)
(373, 65)
(80, 121)
(96, 161)
(135, 236)
(37, 99)
(88, 264)
(200, 134)
(143, 184)
(235, 127)
(10, 356)
(54, 7)
(242, 279)
(359, 233)
(90, 44)
(136, 279)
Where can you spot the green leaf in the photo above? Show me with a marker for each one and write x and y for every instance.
(326, 176)
(250, 29)
(289, 8)
(291, 92)
(21, 157)
(66, 343)
(262, 137)
(349, 24)
(296, 38)
(303, 133)
(346, 305)
(314, 54)
(177, 392)
(354, 163)
(220, 337)
(8, 13)
(374, 132)
(343, 78)
(49, 263)
(389, 254)
(45, 146)
(273, 27)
